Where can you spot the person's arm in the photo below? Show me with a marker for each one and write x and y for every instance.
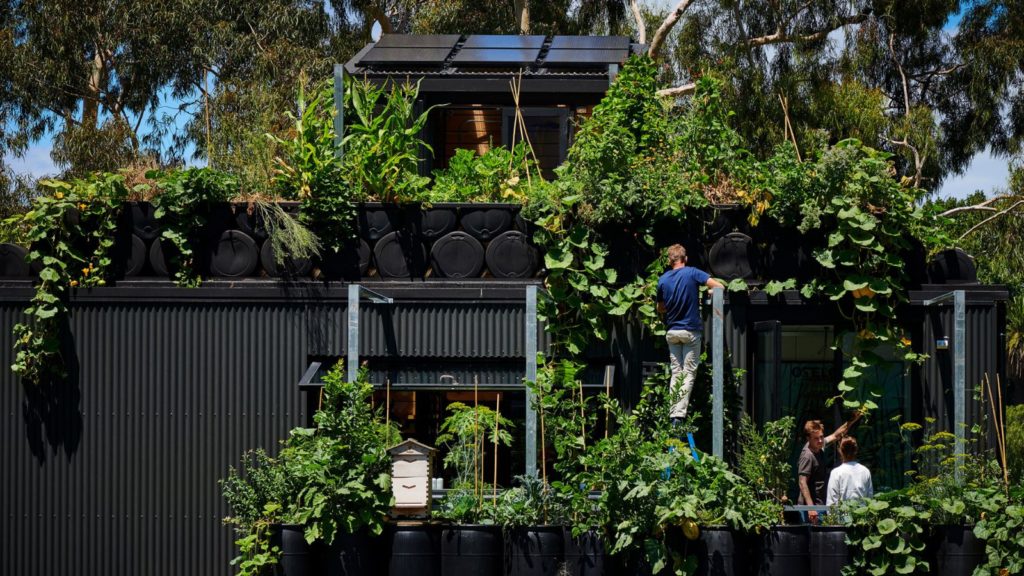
(841, 431)
(661, 307)
(805, 491)
(712, 283)
(870, 490)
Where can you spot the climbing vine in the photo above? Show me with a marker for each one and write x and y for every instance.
(71, 228)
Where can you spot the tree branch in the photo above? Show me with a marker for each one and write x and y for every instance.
(684, 90)
(990, 218)
(666, 26)
(981, 206)
(780, 36)
(641, 26)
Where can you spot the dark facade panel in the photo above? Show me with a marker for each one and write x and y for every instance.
(116, 471)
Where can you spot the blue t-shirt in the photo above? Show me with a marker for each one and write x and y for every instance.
(679, 290)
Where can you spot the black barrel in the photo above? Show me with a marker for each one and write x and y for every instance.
(784, 551)
(717, 550)
(789, 256)
(535, 551)
(486, 221)
(349, 263)
(829, 553)
(12, 261)
(957, 551)
(510, 255)
(292, 268)
(471, 550)
(135, 257)
(399, 255)
(348, 555)
(160, 253)
(415, 550)
(377, 220)
(457, 255)
(584, 554)
(438, 220)
(233, 255)
(141, 219)
(952, 266)
(726, 219)
(733, 256)
(297, 557)
(249, 219)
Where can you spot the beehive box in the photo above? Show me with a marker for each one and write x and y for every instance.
(411, 471)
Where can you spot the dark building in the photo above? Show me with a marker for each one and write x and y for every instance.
(115, 470)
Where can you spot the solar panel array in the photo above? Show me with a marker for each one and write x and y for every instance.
(493, 51)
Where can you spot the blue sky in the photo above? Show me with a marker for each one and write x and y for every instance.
(985, 172)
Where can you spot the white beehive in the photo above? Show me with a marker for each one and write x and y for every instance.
(411, 471)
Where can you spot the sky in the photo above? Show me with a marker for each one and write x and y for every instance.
(985, 172)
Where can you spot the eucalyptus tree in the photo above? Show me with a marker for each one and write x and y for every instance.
(897, 74)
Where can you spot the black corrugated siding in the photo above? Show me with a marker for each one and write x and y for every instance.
(985, 355)
(121, 477)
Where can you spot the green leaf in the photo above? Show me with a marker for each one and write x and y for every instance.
(556, 259)
(737, 285)
(886, 526)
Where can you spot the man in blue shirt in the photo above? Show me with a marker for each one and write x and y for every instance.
(679, 301)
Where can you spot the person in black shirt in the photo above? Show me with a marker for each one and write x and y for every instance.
(811, 469)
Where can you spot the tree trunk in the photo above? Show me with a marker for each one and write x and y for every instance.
(91, 100)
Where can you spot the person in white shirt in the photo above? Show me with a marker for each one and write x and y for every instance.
(851, 479)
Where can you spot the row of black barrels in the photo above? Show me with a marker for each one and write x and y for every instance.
(486, 550)
(736, 255)
(445, 241)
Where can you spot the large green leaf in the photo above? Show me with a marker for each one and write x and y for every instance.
(886, 526)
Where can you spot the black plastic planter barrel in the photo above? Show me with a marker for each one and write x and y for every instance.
(233, 255)
(957, 551)
(413, 550)
(718, 550)
(297, 557)
(486, 221)
(134, 257)
(726, 219)
(160, 255)
(535, 551)
(140, 218)
(789, 256)
(377, 220)
(584, 554)
(829, 553)
(733, 256)
(348, 555)
(438, 220)
(510, 255)
(12, 261)
(784, 551)
(457, 255)
(292, 267)
(471, 550)
(350, 263)
(952, 267)
(399, 255)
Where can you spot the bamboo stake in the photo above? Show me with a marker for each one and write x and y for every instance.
(387, 408)
(583, 417)
(477, 473)
(608, 393)
(1001, 433)
(497, 424)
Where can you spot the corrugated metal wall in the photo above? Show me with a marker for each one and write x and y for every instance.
(985, 355)
(117, 473)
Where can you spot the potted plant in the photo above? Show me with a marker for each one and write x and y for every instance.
(533, 519)
(471, 543)
(340, 471)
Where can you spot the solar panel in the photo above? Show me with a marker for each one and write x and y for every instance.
(590, 43)
(410, 56)
(496, 57)
(584, 57)
(418, 41)
(504, 42)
